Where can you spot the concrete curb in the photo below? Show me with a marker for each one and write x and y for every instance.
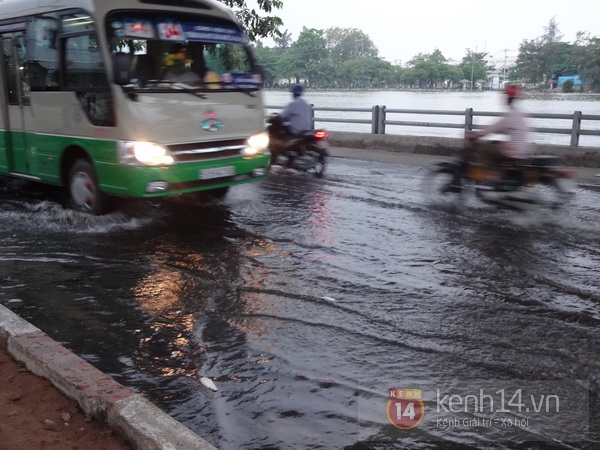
(139, 422)
(430, 145)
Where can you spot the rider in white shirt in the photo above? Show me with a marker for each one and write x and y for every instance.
(514, 125)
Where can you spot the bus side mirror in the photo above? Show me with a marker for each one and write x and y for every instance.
(122, 68)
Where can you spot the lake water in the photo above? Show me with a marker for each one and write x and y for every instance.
(487, 101)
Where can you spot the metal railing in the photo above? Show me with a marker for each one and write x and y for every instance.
(379, 117)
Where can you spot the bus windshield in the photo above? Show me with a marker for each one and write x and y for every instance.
(169, 50)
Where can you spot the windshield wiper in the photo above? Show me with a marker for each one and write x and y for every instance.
(152, 86)
(176, 86)
(251, 92)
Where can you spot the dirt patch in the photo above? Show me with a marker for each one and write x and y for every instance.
(36, 415)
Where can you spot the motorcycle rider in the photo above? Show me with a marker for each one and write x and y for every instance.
(293, 120)
(297, 114)
(507, 154)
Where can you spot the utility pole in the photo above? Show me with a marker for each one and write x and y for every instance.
(504, 70)
(471, 73)
(471, 57)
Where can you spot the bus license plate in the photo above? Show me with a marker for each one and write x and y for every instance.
(217, 172)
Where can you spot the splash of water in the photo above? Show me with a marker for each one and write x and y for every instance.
(50, 216)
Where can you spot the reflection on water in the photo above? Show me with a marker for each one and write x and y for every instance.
(302, 299)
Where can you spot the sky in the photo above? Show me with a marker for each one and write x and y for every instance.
(401, 29)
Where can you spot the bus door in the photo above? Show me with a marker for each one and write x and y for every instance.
(17, 112)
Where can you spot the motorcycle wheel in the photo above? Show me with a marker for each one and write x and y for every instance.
(439, 185)
(557, 192)
(551, 194)
(320, 161)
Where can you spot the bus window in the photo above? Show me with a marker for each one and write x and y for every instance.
(85, 73)
(23, 68)
(84, 66)
(43, 54)
(17, 78)
(77, 23)
(226, 58)
(11, 71)
(84, 70)
(201, 52)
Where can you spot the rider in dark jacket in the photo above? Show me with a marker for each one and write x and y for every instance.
(293, 120)
(297, 114)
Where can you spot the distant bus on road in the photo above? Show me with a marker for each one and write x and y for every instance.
(129, 98)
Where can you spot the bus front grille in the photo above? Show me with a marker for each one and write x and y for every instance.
(207, 151)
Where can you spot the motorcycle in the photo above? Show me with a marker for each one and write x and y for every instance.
(305, 152)
(537, 182)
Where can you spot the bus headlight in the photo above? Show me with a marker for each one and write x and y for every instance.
(140, 153)
(259, 143)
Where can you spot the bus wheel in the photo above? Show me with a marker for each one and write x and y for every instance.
(84, 193)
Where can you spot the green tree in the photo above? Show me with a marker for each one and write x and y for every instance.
(289, 67)
(529, 65)
(587, 59)
(349, 43)
(568, 86)
(429, 70)
(552, 33)
(348, 74)
(257, 25)
(416, 74)
(284, 41)
(474, 66)
(383, 73)
(396, 76)
(372, 71)
(354, 56)
(311, 52)
(455, 74)
(415, 77)
(269, 59)
(539, 59)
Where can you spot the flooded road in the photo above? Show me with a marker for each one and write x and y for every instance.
(307, 300)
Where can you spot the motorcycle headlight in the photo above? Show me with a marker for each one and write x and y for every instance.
(140, 153)
(258, 143)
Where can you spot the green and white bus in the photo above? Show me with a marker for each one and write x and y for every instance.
(129, 98)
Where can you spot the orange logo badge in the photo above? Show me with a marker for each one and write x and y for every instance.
(405, 408)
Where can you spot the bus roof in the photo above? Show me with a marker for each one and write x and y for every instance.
(10, 9)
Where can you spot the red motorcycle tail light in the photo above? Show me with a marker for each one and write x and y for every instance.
(321, 134)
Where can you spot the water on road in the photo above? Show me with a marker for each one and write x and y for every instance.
(307, 300)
